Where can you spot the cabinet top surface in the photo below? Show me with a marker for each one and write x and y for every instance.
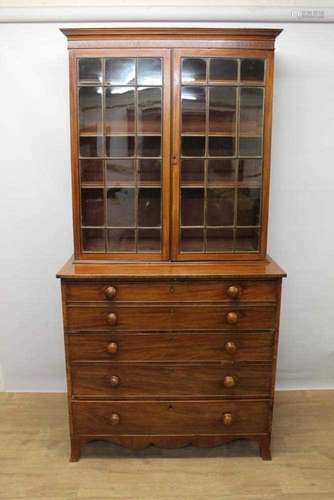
(145, 270)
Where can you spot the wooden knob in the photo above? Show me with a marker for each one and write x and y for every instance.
(110, 292)
(115, 418)
(233, 292)
(112, 319)
(232, 317)
(112, 348)
(114, 380)
(229, 381)
(228, 419)
(230, 347)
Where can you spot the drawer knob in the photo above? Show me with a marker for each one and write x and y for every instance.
(112, 348)
(112, 319)
(228, 419)
(229, 381)
(114, 381)
(115, 418)
(233, 292)
(110, 292)
(232, 317)
(230, 347)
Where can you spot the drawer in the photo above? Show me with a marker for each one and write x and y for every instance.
(173, 291)
(171, 347)
(148, 317)
(170, 417)
(121, 380)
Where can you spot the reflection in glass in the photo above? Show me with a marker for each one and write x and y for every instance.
(121, 240)
(193, 70)
(148, 145)
(121, 146)
(192, 240)
(252, 70)
(121, 207)
(250, 170)
(90, 110)
(220, 207)
(192, 171)
(92, 207)
(149, 240)
(221, 146)
(192, 207)
(120, 172)
(193, 109)
(247, 239)
(149, 171)
(91, 146)
(149, 71)
(250, 146)
(119, 110)
(251, 111)
(91, 172)
(120, 71)
(193, 146)
(223, 69)
(90, 69)
(219, 240)
(248, 207)
(149, 110)
(149, 203)
(222, 109)
(93, 240)
(221, 171)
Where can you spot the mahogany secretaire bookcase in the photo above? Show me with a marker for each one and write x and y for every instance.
(171, 305)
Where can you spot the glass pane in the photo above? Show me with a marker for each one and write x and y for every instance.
(251, 111)
(193, 146)
(222, 109)
(149, 204)
(223, 69)
(149, 240)
(192, 207)
(93, 240)
(149, 172)
(248, 207)
(120, 71)
(148, 145)
(221, 171)
(252, 70)
(247, 239)
(219, 240)
(250, 146)
(90, 121)
(90, 70)
(149, 71)
(221, 146)
(121, 146)
(120, 172)
(121, 207)
(119, 110)
(149, 110)
(91, 172)
(92, 207)
(121, 240)
(193, 70)
(192, 172)
(220, 207)
(250, 170)
(193, 109)
(192, 240)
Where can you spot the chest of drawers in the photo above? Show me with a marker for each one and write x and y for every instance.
(171, 356)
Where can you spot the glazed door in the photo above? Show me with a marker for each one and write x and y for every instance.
(221, 149)
(121, 153)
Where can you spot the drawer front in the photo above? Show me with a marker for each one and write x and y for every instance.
(115, 380)
(170, 318)
(171, 417)
(171, 347)
(184, 291)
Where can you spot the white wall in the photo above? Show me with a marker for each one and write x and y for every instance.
(35, 215)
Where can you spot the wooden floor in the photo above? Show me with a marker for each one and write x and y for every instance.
(34, 458)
